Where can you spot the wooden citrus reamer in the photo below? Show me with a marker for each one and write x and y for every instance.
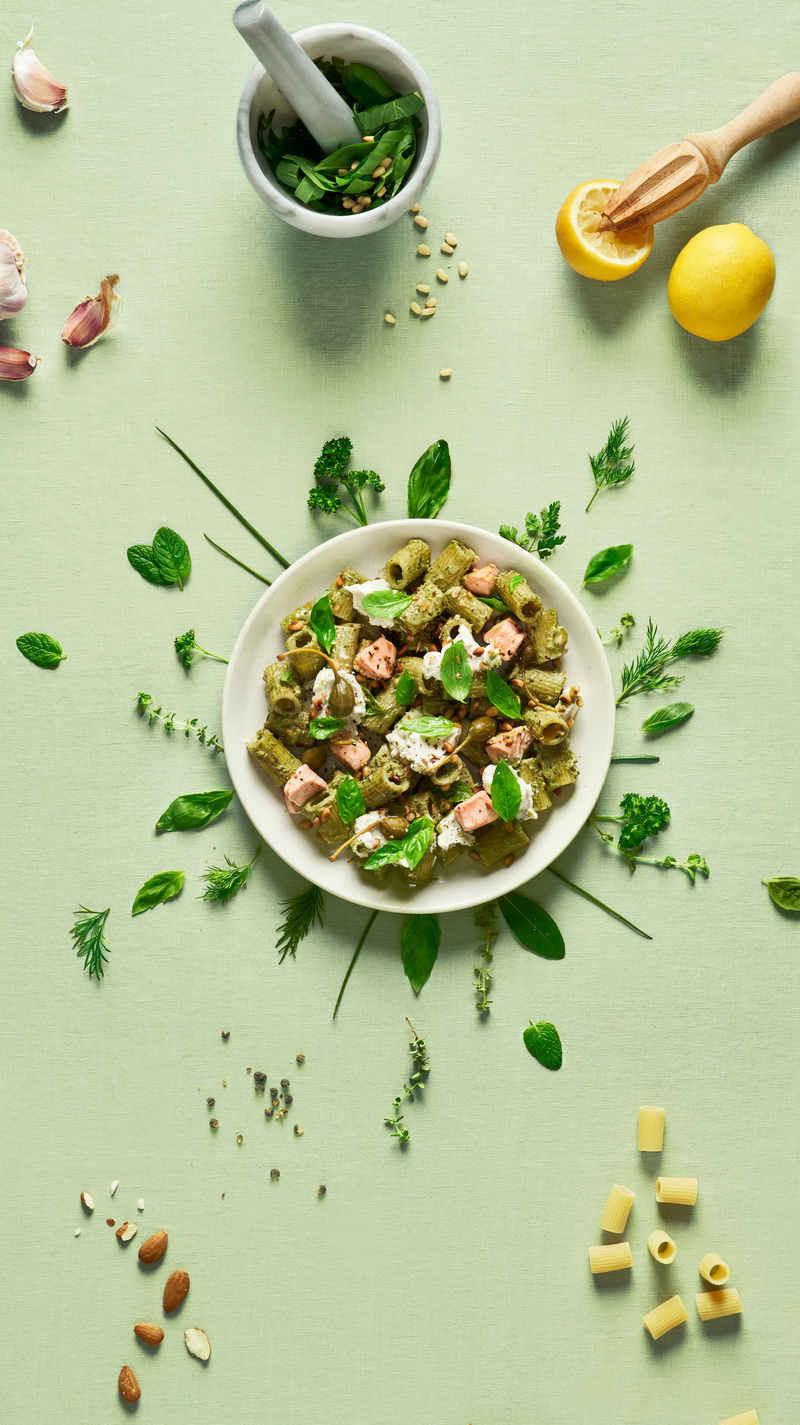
(679, 173)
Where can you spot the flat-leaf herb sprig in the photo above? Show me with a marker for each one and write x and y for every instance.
(331, 470)
(90, 941)
(189, 729)
(646, 674)
(41, 649)
(612, 465)
(541, 531)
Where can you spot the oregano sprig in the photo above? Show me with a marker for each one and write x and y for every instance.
(485, 920)
(419, 1054)
(189, 729)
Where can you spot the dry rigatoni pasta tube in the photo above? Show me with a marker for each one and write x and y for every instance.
(665, 1317)
(748, 1418)
(662, 1247)
(714, 1270)
(682, 1190)
(711, 1304)
(615, 1213)
(651, 1129)
(614, 1257)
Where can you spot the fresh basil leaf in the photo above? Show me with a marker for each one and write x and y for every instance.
(161, 887)
(406, 690)
(349, 800)
(427, 727)
(456, 671)
(366, 85)
(506, 792)
(542, 1041)
(411, 849)
(324, 727)
(501, 696)
(670, 716)
(515, 581)
(459, 792)
(429, 482)
(785, 891)
(419, 947)
(142, 558)
(373, 706)
(401, 108)
(495, 603)
(321, 621)
(172, 556)
(607, 563)
(193, 810)
(389, 603)
(41, 649)
(533, 927)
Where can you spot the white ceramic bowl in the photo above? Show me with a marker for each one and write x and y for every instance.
(244, 709)
(261, 94)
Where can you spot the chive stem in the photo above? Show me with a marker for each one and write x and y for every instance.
(351, 966)
(256, 575)
(595, 901)
(636, 759)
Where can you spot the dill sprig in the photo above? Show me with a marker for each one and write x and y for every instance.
(299, 914)
(90, 941)
(187, 649)
(612, 464)
(485, 919)
(224, 882)
(541, 531)
(189, 729)
(646, 673)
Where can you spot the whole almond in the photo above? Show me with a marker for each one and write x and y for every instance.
(154, 1248)
(128, 1385)
(175, 1290)
(127, 1231)
(147, 1332)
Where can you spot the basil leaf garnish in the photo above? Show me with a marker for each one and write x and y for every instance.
(411, 849)
(506, 792)
(428, 727)
(456, 671)
(533, 927)
(324, 727)
(193, 810)
(161, 887)
(321, 621)
(429, 482)
(349, 800)
(419, 947)
(607, 563)
(501, 696)
(387, 603)
(785, 891)
(666, 717)
(406, 690)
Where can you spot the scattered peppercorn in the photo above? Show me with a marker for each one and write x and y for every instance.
(211, 1102)
(284, 1083)
(287, 1098)
(268, 1112)
(274, 1173)
(301, 1058)
(273, 1093)
(298, 1131)
(250, 1070)
(321, 1190)
(259, 1080)
(213, 1123)
(226, 1034)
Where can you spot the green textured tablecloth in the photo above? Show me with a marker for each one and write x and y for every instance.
(448, 1284)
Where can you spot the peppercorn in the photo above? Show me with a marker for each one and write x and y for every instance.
(211, 1102)
(284, 1083)
(268, 1112)
(287, 1098)
(226, 1034)
(239, 1138)
(321, 1190)
(213, 1123)
(259, 1080)
(301, 1058)
(298, 1131)
(274, 1173)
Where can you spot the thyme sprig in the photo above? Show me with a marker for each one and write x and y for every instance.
(90, 941)
(224, 882)
(299, 912)
(612, 464)
(187, 649)
(419, 1054)
(189, 729)
(646, 673)
(485, 919)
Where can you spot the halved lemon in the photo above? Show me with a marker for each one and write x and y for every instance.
(603, 256)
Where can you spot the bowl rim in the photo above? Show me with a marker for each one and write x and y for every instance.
(378, 898)
(325, 224)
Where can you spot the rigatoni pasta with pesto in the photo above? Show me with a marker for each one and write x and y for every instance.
(420, 713)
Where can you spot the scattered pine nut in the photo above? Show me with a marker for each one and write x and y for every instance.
(474, 855)
(381, 192)
(447, 248)
(428, 312)
(342, 172)
(445, 373)
(305, 825)
(414, 208)
(431, 302)
(422, 288)
(114, 1186)
(77, 1231)
(423, 250)
(453, 241)
(140, 1204)
(420, 221)
(462, 269)
(416, 308)
(365, 200)
(369, 138)
(442, 275)
(354, 165)
(508, 860)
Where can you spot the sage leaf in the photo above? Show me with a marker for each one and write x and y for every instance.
(429, 482)
(406, 690)
(350, 800)
(41, 649)
(428, 727)
(419, 947)
(321, 620)
(161, 887)
(387, 603)
(142, 558)
(607, 563)
(501, 696)
(401, 108)
(506, 792)
(533, 927)
(193, 810)
(670, 716)
(785, 891)
(411, 849)
(456, 671)
(172, 556)
(542, 1041)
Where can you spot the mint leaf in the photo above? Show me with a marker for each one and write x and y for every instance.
(141, 557)
(542, 1041)
(172, 556)
(419, 947)
(161, 887)
(456, 671)
(41, 649)
(533, 927)
(193, 810)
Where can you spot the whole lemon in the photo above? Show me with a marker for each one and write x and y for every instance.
(721, 282)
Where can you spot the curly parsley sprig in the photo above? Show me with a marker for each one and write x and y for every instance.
(646, 673)
(187, 649)
(541, 531)
(643, 817)
(330, 467)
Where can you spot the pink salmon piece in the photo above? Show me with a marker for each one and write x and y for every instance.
(506, 637)
(304, 783)
(481, 580)
(475, 811)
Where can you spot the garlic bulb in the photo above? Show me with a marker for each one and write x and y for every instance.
(13, 294)
(93, 316)
(16, 365)
(35, 86)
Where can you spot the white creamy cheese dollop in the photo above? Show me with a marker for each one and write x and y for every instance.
(526, 811)
(480, 658)
(371, 840)
(371, 586)
(450, 832)
(323, 686)
(419, 753)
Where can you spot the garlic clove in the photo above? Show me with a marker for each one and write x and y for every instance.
(93, 316)
(35, 87)
(16, 365)
(13, 294)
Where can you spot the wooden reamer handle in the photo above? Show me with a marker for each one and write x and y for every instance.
(777, 106)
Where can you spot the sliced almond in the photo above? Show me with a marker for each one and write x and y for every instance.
(197, 1343)
(127, 1231)
(114, 1186)
(88, 1201)
(175, 1290)
(154, 1248)
(128, 1385)
(149, 1333)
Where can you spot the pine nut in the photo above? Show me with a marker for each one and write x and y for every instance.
(474, 855)
(354, 165)
(448, 237)
(420, 221)
(416, 308)
(423, 250)
(342, 172)
(446, 372)
(447, 248)
(421, 287)
(462, 269)
(414, 208)
(442, 275)
(305, 825)
(381, 191)
(348, 203)
(431, 302)
(369, 138)
(377, 172)
(508, 860)
(428, 312)
(387, 317)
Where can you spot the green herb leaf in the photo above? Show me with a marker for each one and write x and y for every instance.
(515, 581)
(429, 482)
(495, 603)
(401, 108)
(142, 558)
(533, 927)
(647, 671)
(406, 690)
(643, 817)
(349, 800)
(610, 466)
(607, 563)
(41, 649)
(506, 792)
(541, 531)
(161, 887)
(366, 85)
(411, 849)
(456, 671)
(501, 696)
(224, 882)
(324, 727)
(388, 603)
(428, 727)
(299, 914)
(785, 891)
(90, 941)
(670, 716)
(459, 792)
(321, 620)
(373, 706)
(193, 810)
(419, 947)
(172, 556)
(542, 1041)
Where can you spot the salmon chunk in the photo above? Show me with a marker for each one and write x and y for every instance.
(378, 660)
(506, 637)
(481, 580)
(475, 811)
(509, 746)
(301, 786)
(353, 754)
